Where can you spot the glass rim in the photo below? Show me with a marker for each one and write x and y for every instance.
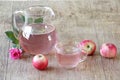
(40, 6)
(60, 45)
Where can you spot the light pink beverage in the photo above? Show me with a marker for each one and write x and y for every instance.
(42, 39)
(68, 60)
(68, 56)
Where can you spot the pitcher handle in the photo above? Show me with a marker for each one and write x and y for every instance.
(17, 29)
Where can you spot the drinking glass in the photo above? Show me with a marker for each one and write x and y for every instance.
(32, 26)
(69, 54)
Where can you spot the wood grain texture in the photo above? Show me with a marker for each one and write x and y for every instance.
(4, 46)
(98, 20)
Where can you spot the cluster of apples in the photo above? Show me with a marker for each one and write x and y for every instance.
(107, 50)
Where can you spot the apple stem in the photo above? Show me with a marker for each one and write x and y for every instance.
(88, 46)
(40, 56)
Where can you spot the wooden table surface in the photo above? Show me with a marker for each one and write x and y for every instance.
(98, 20)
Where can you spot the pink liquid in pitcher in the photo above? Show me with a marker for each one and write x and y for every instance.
(41, 40)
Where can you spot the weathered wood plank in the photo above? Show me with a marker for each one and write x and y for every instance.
(4, 46)
(5, 16)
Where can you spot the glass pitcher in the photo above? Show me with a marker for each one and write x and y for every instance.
(32, 26)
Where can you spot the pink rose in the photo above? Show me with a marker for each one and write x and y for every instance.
(15, 53)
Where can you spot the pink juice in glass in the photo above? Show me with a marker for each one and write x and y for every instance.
(41, 40)
(67, 56)
(68, 60)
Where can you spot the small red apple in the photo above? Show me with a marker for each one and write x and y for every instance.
(40, 62)
(108, 50)
(88, 47)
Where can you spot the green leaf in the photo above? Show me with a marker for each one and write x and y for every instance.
(30, 20)
(11, 36)
(39, 20)
(16, 32)
(23, 18)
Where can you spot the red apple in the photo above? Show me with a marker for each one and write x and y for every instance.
(88, 47)
(108, 50)
(40, 62)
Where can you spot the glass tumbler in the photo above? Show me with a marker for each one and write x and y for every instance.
(69, 54)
